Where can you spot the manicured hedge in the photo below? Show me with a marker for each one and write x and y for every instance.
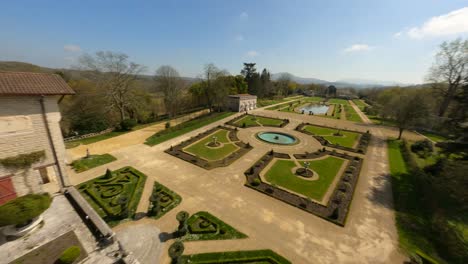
(253, 256)
(205, 226)
(24, 208)
(162, 200)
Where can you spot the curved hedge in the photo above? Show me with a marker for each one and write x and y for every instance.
(23, 209)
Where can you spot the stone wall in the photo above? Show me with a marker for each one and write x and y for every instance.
(22, 131)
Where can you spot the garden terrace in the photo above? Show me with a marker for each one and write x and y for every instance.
(351, 114)
(162, 200)
(205, 226)
(247, 120)
(264, 256)
(335, 210)
(347, 140)
(197, 150)
(116, 194)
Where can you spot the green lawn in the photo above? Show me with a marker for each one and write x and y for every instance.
(264, 256)
(397, 164)
(92, 161)
(201, 150)
(338, 101)
(185, 127)
(280, 174)
(255, 120)
(381, 121)
(360, 104)
(348, 139)
(351, 114)
(434, 137)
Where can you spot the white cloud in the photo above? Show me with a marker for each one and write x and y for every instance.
(453, 23)
(244, 16)
(240, 37)
(72, 48)
(252, 53)
(398, 34)
(357, 47)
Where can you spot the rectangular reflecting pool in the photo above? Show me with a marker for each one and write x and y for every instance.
(315, 108)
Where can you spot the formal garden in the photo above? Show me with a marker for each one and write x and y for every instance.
(162, 200)
(265, 256)
(205, 226)
(337, 138)
(217, 147)
(115, 195)
(91, 161)
(248, 120)
(304, 179)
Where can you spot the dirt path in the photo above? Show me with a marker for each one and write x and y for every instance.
(125, 140)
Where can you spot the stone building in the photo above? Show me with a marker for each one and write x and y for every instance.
(32, 152)
(242, 102)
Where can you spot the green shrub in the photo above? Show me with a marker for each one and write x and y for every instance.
(256, 182)
(167, 125)
(422, 145)
(23, 160)
(21, 210)
(128, 124)
(70, 255)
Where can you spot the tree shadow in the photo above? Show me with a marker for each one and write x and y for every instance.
(381, 192)
(165, 236)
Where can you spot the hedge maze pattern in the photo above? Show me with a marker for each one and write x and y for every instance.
(115, 195)
(162, 200)
(205, 226)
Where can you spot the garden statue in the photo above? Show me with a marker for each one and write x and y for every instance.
(87, 153)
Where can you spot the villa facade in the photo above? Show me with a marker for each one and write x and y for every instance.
(32, 152)
(242, 102)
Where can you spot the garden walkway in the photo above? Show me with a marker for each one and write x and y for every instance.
(132, 138)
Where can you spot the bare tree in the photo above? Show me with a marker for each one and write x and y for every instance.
(451, 69)
(170, 84)
(214, 87)
(115, 74)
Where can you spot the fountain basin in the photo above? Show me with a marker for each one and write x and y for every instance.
(277, 138)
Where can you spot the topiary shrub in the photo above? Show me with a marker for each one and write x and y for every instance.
(70, 255)
(255, 182)
(23, 209)
(167, 125)
(128, 124)
(175, 251)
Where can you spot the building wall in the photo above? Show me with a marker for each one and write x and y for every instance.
(242, 104)
(22, 131)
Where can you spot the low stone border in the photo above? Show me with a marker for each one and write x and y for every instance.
(337, 207)
(361, 148)
(178, 150)
(232, 122)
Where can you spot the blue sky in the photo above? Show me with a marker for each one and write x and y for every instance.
(332, 40)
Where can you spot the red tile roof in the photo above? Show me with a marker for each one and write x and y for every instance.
(28, 83)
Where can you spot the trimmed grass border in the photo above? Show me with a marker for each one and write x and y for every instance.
(186, 127)
(263, 256)
(92, 161)
(256, 120)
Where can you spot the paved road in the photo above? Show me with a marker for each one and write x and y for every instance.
(368, 237)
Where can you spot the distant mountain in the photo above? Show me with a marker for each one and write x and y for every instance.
(344, 83)
(301, 80)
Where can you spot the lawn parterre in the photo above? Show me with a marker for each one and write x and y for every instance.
(281, 174)
(338, 101)
(335, 209)
(115, 195)
(247, 120)
(264, 256)
(201, 151)
(205, 226)
(92, 161)
(346, 140)
(162, 200)
(351, 114)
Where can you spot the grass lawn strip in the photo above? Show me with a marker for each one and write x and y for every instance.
(338, 101)
(359, 103)
(186, 127)
(434, 137)
(349, 139)
(205, 226)
(351, 114)
(106, 195)
(264, 256)
(165, 198)
(92, 161)
(201, 150)
(281, 174)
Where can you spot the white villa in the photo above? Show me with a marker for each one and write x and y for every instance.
(242, 102)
